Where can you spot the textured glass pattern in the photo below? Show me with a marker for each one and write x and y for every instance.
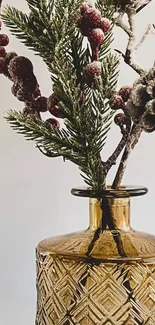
(81, 293)
(104, 275)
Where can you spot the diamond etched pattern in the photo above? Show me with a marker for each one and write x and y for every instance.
(71, 292)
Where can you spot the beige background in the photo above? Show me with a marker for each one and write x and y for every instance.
(35, 197)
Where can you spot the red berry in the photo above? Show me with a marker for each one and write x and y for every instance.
(117, 102)
(123, 121)
(96, 37)
(105, 25)
(84, 7)
(28, 110)
(2, 52)
(55, 111)
(52, 121)
(125, 92)
(53, 100)
(120, 119)
(2, 65)
(24, 96)
(40, 104)
(20, 67)
(83, 25)
(53, 105)
(92, 71)
(4, 40)
(92, 17)
(37, 92)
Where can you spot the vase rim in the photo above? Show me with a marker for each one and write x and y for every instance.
(122, 191)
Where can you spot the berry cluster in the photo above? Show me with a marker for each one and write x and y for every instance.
(4, 41)
(21, 71)
(141, 104)
(25, 86)
(93, 26)
(119, 101)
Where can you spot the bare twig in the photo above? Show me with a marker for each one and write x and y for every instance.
(132, 141)
(143, 37)
(129, 56)
(113, 158)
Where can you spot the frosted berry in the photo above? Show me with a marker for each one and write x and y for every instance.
(121, 119)
(91, 72)
(2, 65)
(24, 96)
(8, 58)
(53, 100)
(37, 92)
(83, 25)
(93, 17)
(105, 25)
(117, 102)
(2, 52)
(84, 7)
(53, 122)
(28, 110)
(15, 88)
(53, 105)
(20, 67)
(4, 40)
(125, 92)
(40, 104)
(28, 83)
(96, 37)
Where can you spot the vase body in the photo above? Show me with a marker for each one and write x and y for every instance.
(100, 276)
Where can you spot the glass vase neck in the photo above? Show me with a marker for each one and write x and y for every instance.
(110, 208)
(119, 208)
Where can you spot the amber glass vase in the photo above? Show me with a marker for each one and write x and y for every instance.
(104, 275)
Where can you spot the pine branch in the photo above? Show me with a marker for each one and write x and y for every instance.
(87, 121)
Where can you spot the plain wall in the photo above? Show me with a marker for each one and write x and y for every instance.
(35, 199)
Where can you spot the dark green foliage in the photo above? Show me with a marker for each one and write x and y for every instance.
(50, 30)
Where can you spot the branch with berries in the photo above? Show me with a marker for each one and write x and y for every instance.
(82, 85)
(84, 81)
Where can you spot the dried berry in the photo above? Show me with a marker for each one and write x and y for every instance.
(20, 67)
(105, 25)
(92, 72)
(2, 52)
(117, 102)
(28, 110)
(40, 104)
(2, 65)
(8, 58)
(4, 40)
(28, 83)
(125, 92)
(52, 121)
(53, 105)
(83, 25)
(93, 17)
(148, 122)
(24, 96)
(37, 92)
(53, 100)
(96, 37)
(15, 88)
(123, 121)
(84, 7)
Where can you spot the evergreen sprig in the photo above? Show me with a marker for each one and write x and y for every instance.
(50, 30)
